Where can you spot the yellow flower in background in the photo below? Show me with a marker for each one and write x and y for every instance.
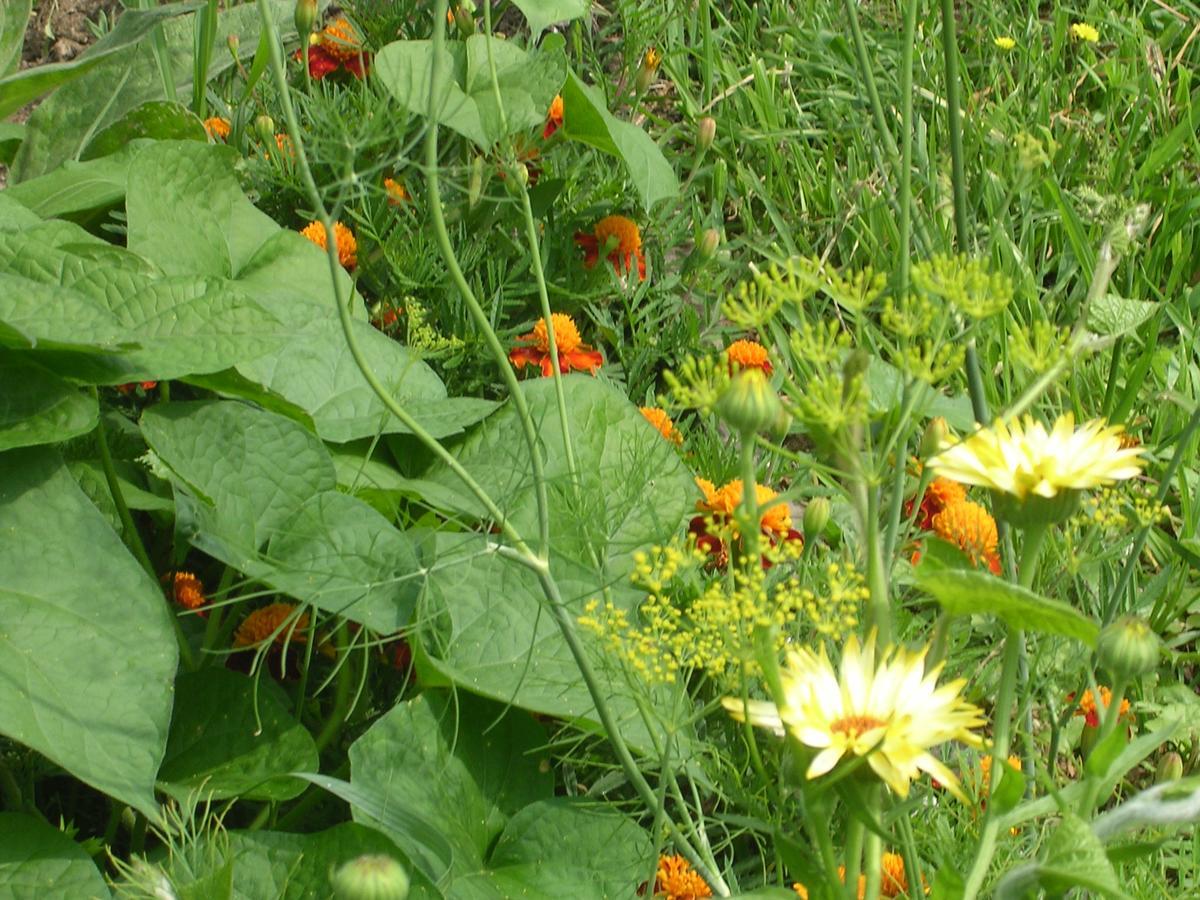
(218, 128)
(1023, 459)
(1081, 31)
(1004, 42)
(891, 712)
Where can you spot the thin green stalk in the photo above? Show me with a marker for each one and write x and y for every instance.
(954, 123)
(873, 848)
(877, 577)
(907, 43)
(206, 35)
(341, 695)
(212, 628)
(853, 855)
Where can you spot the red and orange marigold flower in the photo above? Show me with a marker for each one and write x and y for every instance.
(554, 117)
(218, 128)
(660, 420)
(743, 354)
(894, 880)
(1090, 712)
(677, 880)
(942, 492)
(188, 590)
(573, 353)
(397, 195)
(336, 47)
(261, 624)
(972, 529)
(620, 239)
(347, 246)
(718, 507)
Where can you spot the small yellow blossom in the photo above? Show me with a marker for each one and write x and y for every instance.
(1004, 42)
(1081, 31)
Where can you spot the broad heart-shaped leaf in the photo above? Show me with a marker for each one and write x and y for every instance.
(18, 89)
(240, 473)
(490, 629)
(229, 736)
(316, 372)
(542, 13)
(1164, 805)
(297, 866)
(38, 407)
(63, 123)
(1113, 315)
(460, 763)
(527, 80)
(38, 861)
(339, 554)
(965, 593)
(1074, 858)
(159, 120)
(87, 651)
(13, 215)
(78, 186)
(586, 119)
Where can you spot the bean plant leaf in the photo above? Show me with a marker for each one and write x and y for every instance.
(543, 13)
(75, 187)
(38, 407)
(586, 119)
(88, 653)
(1074, 858)
(21, 87)
(298, 866)
(231, 737)
(527, 81)
(159, 120)
(965, 593)
(39, 861)
(1166, 805)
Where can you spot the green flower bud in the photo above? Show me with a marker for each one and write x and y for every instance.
(305, 17)
(475, 183)
(371, 877)
(234, 43)
(1170, 768)
(1128, 647)
(264, 127)
(710, 240)
(1034, 510)
(749, 404)
(816, 517)
(706, 132)
(931, 440)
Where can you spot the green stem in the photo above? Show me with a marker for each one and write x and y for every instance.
(854, 847)
(877, 577)
(749, 524)
(1112, 716)
(341, 696)
(906, 113)
(954, 123)
(873, 850)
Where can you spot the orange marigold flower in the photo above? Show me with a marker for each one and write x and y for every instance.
(985, 765)
(721, 502)
(396, 194)
(893, 880)
(218, 128)
(129, 387)
(188, 590)
(262, 623)
(972, 529)
(942, 492)
(340, 39)
(573, 353)
(347, 246)
(660, 420)
(677, 880)
(336, 46)
(554, 117)
(622, 240)
(1088, 710)
(745, 354)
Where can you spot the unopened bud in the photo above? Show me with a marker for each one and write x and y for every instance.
(749, 403)
(305, 17)
(706, 132)
(264, 127)
(371, 877)
(1170, 768)
(816, 517)
(720, 175)
(1128, 647)
(931, 439)
(464, 18)
(234, 44)
(710, 240)
(475, 183)
(647, 71)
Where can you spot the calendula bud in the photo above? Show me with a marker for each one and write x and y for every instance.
(1128, 647)
(710, 240)
(371, 877)
(464, 18)
(305, 17)
(234, 44)
(816, 517)
(706, 132)
(749, 403)
(264, 127)
(931, 439)
(720, 175)
(1170, 768)
(647, 71)
(475, 183)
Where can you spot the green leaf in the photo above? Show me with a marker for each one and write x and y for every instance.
(1105, 753)
(1010, 790)
(1075, 858)
(542, 13)
(76, 187)
(586, 119)
(1162, 806)
(14, 19)
(38, 861)
(458, 762)
(20, 88)
(87, 650)
(495, 635)
(241, 473)
(297, 866)
(38, 407)
(231, 737)
(1113, 315)
(965, 593)
(527, 83)
(14, 215)
(159, 120)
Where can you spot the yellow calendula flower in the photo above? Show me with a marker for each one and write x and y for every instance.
(1081, 31)
(891, 712)
(1004, 42)
(1021, 458)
